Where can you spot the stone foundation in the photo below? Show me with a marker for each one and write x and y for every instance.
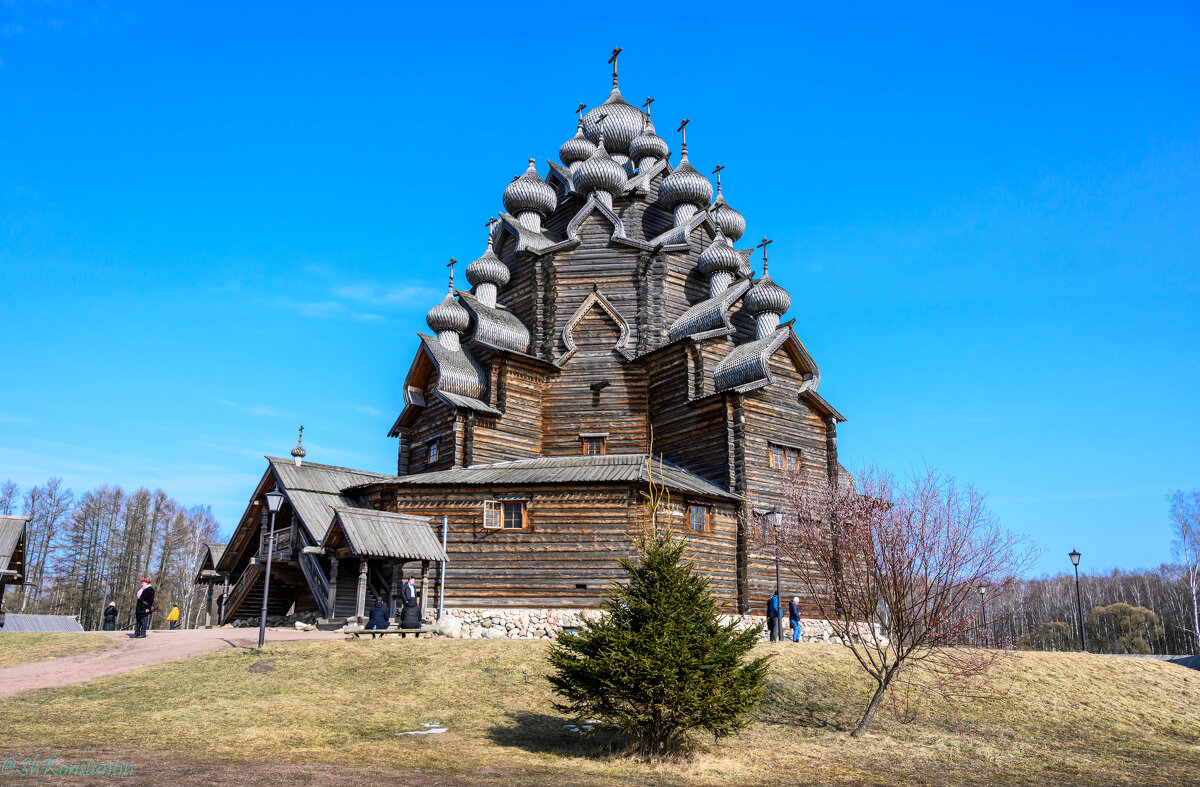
(526, 623)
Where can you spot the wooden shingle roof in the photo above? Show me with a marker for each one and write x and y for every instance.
(371, 533)
(604, 469)
(12, 530)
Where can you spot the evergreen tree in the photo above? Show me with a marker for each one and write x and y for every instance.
(660, 665)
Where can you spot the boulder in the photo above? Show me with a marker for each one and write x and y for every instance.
(492, 633)
(448, 626)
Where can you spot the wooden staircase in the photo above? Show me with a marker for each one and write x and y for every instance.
(245, 598)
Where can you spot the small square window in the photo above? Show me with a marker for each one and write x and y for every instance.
(433, 451)
(784, 458)
(698, 518)
(593, 446)
(514, 515)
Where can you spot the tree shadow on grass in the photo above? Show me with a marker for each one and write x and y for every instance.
(805, 704)
(543, 733)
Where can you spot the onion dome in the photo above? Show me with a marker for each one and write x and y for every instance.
(648, 145)
(719, 256)
(488, 269)
(601, 174)
(767, 296)
(622, 123)
(529, 193)
(298, 453)
(449, 315)
(732, 223)
(685, 186)
(576, 149)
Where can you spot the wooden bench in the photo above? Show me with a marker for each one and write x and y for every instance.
(357, 632)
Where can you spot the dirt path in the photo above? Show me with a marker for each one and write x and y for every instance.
(131, 654)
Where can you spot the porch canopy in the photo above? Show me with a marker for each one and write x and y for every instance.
(382, 537)
(366, 532)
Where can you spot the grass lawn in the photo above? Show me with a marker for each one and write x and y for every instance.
(24, 647)
(1059, 718)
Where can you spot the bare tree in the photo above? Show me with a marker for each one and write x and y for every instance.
(896, 570)
(1185, 518)
(8, 497)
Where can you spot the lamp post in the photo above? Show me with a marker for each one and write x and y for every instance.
(274, 503)
(777, 520)
(1074, 555)
(983, 589)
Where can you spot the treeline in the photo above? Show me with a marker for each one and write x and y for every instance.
(1026, 615)
(83, 552)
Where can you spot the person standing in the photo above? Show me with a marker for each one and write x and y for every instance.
(173, 616)
(794, 617)
(773, 616)
(410, 615)
(110, 616)
(145, 608)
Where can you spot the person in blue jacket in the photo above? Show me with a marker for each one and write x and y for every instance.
(773, 617)
(378, 618)
(794, 617)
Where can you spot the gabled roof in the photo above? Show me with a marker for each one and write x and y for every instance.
(495, 326)
(211, 558)
(604, 469)
(748, 365)
(314, 490)
(371, 533)
(710, 315)
(12, 530)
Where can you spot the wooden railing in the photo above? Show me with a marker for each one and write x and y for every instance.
(237, 594)
(283, 543)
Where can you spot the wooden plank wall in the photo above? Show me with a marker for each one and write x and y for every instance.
(517, 390)
(775, 414)
(436, 419)
(690, 435)
(574, 537)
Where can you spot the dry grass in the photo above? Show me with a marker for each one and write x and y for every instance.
(1062, 719)
(26, 647)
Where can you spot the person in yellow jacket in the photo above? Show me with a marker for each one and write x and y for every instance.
(173, 616)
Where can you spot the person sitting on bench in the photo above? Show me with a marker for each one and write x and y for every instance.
(378, 618)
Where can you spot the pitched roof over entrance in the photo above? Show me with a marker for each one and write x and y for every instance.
(607, 468)
(12, 530)
(315, 490)
(370, 533)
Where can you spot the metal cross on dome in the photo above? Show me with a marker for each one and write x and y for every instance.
(765, 243)
(579, 110)
(717, 172)
(450, 265)
(646, 104)
(683, 131)
(613, 60)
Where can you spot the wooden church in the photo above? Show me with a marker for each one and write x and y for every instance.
(611, 314)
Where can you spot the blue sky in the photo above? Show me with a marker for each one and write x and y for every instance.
(220, 221)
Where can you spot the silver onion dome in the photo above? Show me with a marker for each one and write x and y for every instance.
(622, 123)
(719, 256)
(488, 269)
(732, 223)
(449, 315)
(600, 173)
(576, 149)
(648, 145)
(767, 297)
(685, 186)
(529, 193)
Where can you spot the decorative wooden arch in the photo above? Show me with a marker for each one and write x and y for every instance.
(568, 331)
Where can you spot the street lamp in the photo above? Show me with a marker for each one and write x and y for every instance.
(1074, 555)
(983, 589)
(274, 503)
(777, 520)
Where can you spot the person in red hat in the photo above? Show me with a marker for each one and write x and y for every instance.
(145, 607)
